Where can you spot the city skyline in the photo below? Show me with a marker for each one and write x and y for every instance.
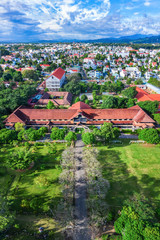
(71, 19)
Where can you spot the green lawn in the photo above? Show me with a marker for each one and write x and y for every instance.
(131, 168)
(23, 186)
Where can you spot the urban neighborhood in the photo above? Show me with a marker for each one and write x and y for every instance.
(80, 141)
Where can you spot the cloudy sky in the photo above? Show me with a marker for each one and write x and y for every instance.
(29, 20)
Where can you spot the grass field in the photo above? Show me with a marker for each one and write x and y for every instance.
(23, 186)
(131, 168)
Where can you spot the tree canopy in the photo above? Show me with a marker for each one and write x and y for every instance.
(130, 92)
(149, 106)
(70, 137)
(88, 138)
(138, 220)
(50, 105)
(30, 74)
(154, 82)
(20, 159)
(58, 134)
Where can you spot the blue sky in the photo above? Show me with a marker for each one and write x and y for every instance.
(29, 20)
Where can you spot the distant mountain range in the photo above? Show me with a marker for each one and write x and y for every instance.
(137, 38)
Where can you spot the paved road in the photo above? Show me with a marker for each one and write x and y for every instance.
(81, 230)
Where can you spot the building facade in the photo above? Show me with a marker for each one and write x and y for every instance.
(55, 81)
(80, 114)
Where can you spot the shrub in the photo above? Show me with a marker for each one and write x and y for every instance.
(20, 159)
(42, 181)
(58, 134)
(88, 138)
(149, 135)
(7, 135)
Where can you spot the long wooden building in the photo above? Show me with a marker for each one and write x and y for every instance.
(80, 114)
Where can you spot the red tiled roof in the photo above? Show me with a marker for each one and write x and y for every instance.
(67, 98)
(95, 116)
(80, 105)
(58, 73)
(144, 96)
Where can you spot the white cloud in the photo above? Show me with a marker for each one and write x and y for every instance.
(55, 19)
(147, 3)
(2, 9)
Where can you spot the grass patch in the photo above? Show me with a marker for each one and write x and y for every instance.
(23, 186)
(131, 168)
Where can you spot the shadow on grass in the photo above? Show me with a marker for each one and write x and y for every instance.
(122, 184)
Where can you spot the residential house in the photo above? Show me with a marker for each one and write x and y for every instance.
(55, 81)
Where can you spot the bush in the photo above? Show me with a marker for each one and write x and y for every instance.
(58, 134)
(71, 137)
(42, 181)
(149, 135)
(88, 138)
(7, 135)
(20, 159)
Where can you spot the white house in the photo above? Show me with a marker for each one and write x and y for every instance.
(55, 80)
(123, 73)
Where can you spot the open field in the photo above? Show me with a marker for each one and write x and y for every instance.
(131, 168)
(31, 200)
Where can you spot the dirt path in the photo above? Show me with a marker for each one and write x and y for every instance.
(81, 230)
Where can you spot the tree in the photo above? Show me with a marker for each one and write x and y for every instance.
(30, 74)
(20, 159)
(157, 117)
(71, 137)
(7, 76)
(39, 68)
(109, 102)
(154, 82)
(130, 92)
(130, 103)
(6, 217)
(108, 132)
(75, 77)
(87, 101)
(83, 98)
(129, 81)
(73, 87)
(50, 105)
(30, 134)
(77, 99)
(1, 71)
(57, 134)
(149, 135)
(4, 52)
(7, 135)
(19, 126)
(138, 82)
(88, 138)
(43, 130)
(149, 106)
(18, 77)
(137, 219)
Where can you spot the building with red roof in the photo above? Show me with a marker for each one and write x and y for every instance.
(145, 96)
(80, 114)
(55, 80)
(58, 98)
